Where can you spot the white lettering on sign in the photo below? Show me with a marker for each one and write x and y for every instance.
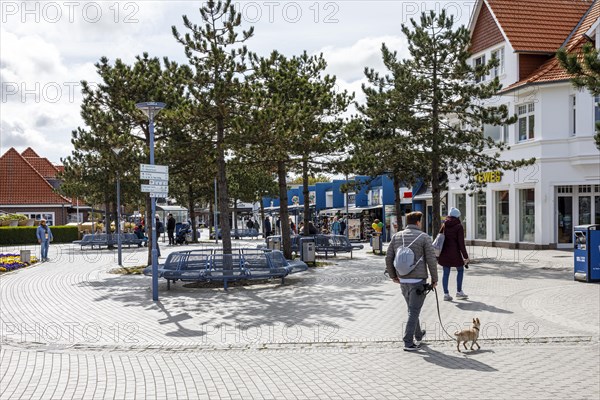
(580, 259)
(163, 169)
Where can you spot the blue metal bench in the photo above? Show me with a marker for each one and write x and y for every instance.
(103, 239)
(324, 244)
(212, 266)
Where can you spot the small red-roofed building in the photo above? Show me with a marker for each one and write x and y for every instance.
(27, 186)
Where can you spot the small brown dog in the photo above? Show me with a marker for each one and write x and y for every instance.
(467, 335)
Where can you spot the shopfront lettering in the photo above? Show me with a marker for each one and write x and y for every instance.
(489, 177)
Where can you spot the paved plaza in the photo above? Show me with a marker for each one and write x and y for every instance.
(70, 329)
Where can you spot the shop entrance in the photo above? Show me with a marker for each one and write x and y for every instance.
(565, 221)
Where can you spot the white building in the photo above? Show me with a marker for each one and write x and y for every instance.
(537, 206)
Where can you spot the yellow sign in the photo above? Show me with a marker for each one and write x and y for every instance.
(489, 177)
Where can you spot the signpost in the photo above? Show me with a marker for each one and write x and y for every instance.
(158, 177)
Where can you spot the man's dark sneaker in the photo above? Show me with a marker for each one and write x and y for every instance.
(412, 347)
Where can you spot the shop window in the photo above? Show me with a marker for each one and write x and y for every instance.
(597, 208)
(585, 210)
(480, 216)
(565, 219)
(460, 201)
(502, 214)
(526, 121)
(585, 189)
(527, 211)
(49, 217)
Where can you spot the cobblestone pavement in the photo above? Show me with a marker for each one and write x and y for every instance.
(71, 329)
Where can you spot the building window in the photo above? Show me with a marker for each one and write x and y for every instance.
(502, 215)
(526, 123)
(493, 132)
(565, 189)
(585, 210)
(585, 188)
(527, 211)
(477, 63)
(572, 115)
(49, 217)
(597, 207)
(596, 110)
(352, 199)
(505, 133)
(480, 216)
(328, 199)
(498, 70)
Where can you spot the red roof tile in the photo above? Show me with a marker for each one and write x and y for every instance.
(552, 71)
(21, 183)
(29, 153)
(43, 166)
(538, 25)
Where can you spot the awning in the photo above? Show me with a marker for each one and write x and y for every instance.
(171, 208)
(356, 210)
(423, 195)
(330, 211)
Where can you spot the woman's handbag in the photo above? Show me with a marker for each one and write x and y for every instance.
(438, 243)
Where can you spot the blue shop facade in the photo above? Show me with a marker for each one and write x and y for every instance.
(366, 200)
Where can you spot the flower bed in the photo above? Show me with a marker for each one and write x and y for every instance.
(10, 262)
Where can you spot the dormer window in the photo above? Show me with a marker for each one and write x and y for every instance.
(499, 69)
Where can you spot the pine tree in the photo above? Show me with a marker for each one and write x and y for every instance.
(216, 52)
(450, 108)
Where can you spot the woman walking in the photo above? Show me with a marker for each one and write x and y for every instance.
(453, 254)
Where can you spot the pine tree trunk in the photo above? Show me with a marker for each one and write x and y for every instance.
(397, 200)
(305, 194)
(222, 185)
(435, 165)
(262, 219)
(192, 212)
(283, 210)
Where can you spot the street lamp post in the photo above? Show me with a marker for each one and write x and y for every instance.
(117, 151)
(151, 109)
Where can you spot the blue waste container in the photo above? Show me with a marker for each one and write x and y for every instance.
(587, 253)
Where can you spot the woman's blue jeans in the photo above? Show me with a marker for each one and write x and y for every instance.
(459, 278)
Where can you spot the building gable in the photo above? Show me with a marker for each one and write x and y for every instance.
(21, 183)
(486, 32)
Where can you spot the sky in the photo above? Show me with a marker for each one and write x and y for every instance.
(47, 48)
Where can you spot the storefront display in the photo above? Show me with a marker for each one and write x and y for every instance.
(353, 226)
(480, 216)
(502, 215)
(527, 214)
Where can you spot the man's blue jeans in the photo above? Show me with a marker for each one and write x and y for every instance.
(414, 302)
(45, 244)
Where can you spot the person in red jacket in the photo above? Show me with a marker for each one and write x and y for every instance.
(454, 253)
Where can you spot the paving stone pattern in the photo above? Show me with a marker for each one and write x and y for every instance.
(71, 329)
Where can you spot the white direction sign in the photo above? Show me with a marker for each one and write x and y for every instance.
(159, 194)
(154, 188)
(155, 182)
(154, 176)
(163, 169)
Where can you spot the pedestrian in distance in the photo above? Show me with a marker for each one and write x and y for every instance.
(44, 237)
(335, 226)
(267, 227)
(342, 226)
(171, 229)
(413, 283)
(454, 253)
(159, 229)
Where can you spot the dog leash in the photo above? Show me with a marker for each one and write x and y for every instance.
(437, 303)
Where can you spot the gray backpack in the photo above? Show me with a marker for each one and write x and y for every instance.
(404, 262)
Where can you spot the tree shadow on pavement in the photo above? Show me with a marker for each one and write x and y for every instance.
(468, 305)
(455, 362)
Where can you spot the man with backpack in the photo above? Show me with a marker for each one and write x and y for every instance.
(408, 257)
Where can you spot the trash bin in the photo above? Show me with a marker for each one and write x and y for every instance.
(25, 256)
(178, 226)
(376, 243)
(587, 253)
(274, 243)
(308, 249)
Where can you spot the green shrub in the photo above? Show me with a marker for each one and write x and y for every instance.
(17, 235)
